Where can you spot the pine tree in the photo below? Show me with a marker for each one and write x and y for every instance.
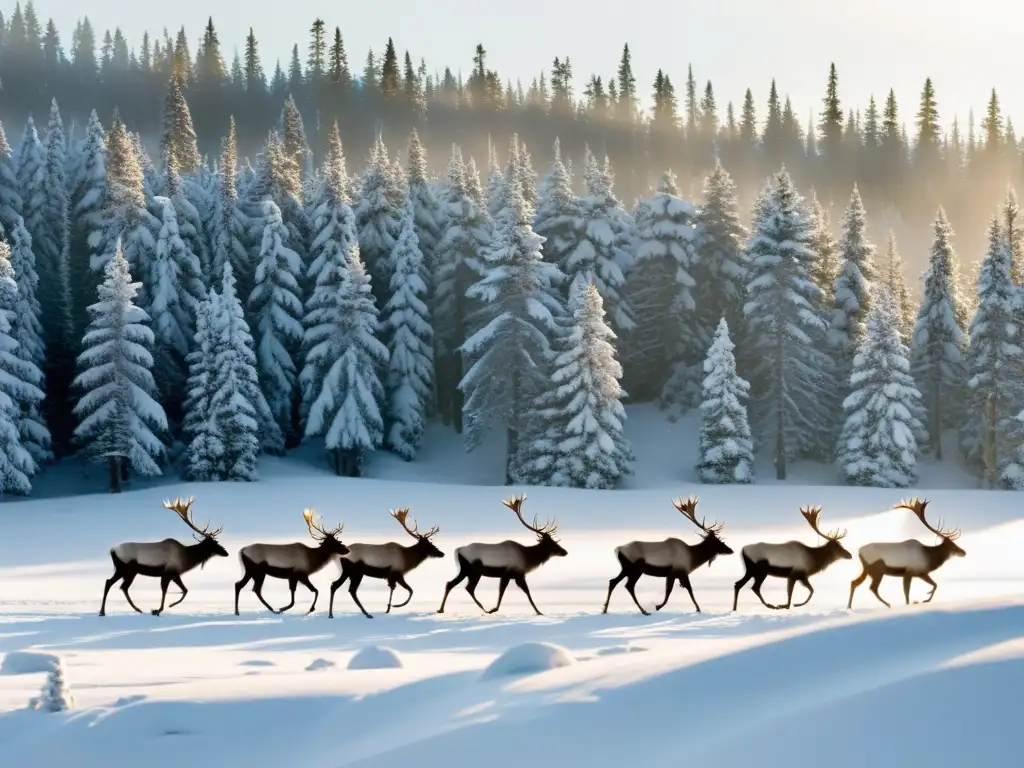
(517, 320)
(426, 208)
(582, 444)
(27, 332)
(938, 343)
(878, 443)
(11, 204)
(825, 270)
(464, 236)
(726, 447)
(791, 371)
(602, 255)
(342, 359)
(720, 267)
(119, 417)
(407, 326)
(293, 131)
(184, 195)
(205, 446)
(906, 312)
(558, 218)
(994, 360)
(663, 344)
(179, 135)
(51, 251)
(88, 192)
(277, 310)
(495, 183)
(56, 695)
(229, 225)
(378, 218)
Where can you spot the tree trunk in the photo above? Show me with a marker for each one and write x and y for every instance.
(113, 465)
(123, 461)
(937, 419)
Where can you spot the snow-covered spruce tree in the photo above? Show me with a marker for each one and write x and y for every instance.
(236, 404)
(10, 189)
(825, 270)
(20, 391)
(190, 228)
(720, 266)
(229, 224)
(878, 442)
(56, 694)
(205, 447)
(906, 312)
(582, 443)
(663, 348)
(495, 183)
(426, 207)
(378, 218)
(558, 218)
(995, 358)
(937, 351)
(790, 372)
(726, 448)
(476, 192)
(518, 318)
(342, 359)
(464, 235)
(852, 294)
(603, 254)
(52, 253)
(179, 135)
(527, 178)
(293, 131)
(27, 332)
(126, 219)
(119, 417)
(88, 192)
(407, 327)
(277, 311)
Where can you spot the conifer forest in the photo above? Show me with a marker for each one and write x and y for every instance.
(208, 258)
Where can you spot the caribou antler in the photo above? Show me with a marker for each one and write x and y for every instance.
(689, 510)
(917, 506)
(401, 515)
(316, 530)
(184, 510)
(516, 505)
(811, 515)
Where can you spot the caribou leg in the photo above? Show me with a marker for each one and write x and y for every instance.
(928, 580)
(391, 593)
(106, 588)
(304, 581)
(128, 579)
(612, 584)
(177, 581)
(756, 589)
(165, 582)
(334, 588)
(471, 584)
(631, 582)
(353, 584)
(521, 583)
(906, 588)
(670, 583)
(739, 585)
(292, 583)
(453, 584)
(856, 583)
(502, 586)
(239, 585)
(257, 588)
(876, 580)
(684, 582)
(790, 583)
(810, 590)
(401, 582)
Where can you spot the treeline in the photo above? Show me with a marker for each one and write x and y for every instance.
(907, 159)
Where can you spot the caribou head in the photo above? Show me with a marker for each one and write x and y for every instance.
(832, 538)
(712, 539)
(422, 539)
(947, 536)
(208, 544)
(545, 533)
(327, 539)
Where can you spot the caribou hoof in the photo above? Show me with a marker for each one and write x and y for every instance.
(155, 611)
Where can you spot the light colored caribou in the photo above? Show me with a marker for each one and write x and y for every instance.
(672, 558)
(167, 560)
(793, 561)
(909, 559)
(389, 561)
(507, 561)
(292, 562)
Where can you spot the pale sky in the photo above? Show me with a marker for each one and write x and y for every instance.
(966, 47)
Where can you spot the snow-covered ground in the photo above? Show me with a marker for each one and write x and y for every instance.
(930, 685)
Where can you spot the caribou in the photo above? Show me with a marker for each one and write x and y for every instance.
(910, 559)
(792, 561)
(167, 560)
(293, 562)
(389, 561)
(508, 560)
(672, 558)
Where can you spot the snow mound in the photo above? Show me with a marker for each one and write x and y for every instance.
(375, 657)
(615, 650)
(28, 663)
(528, 659)
(318, 664)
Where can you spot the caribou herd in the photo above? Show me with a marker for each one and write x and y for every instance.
(511, 561)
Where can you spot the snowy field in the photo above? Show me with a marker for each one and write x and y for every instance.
(930, 685)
